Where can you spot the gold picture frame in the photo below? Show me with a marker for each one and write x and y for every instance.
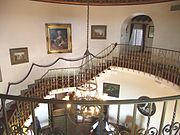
(19, 55)
(98, 31)
(59, 39)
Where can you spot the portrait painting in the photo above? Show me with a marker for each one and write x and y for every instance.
(98, 31)
(111, 89)
(59, 38)
(19, 55)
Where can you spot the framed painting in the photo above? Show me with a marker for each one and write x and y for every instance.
(151, 32)
(0, 76)
(98, 31)
(58, 38)
(19, 55)
(111, 89)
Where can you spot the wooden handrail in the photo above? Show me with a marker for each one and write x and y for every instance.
(80, 102)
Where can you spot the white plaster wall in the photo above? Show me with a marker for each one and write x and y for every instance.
(22, 24)
(134, 84)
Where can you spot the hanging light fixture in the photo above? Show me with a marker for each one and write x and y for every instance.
(89, 84)
(87, 90)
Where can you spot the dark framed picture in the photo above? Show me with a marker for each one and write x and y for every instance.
(98, 31)
(59, 38)
(151, 32)
(111, 89)
(19, 55)
(0, 76)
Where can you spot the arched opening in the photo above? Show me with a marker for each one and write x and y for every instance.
(138, 30)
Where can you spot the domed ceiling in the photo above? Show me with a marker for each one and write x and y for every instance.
(105, 2)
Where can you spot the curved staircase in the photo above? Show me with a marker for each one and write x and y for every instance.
(164, 64)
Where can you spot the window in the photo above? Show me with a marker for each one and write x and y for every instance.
(137, 37)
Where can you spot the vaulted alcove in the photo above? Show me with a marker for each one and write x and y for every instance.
(138, 30)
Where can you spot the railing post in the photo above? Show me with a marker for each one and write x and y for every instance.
(50, 117)
(149, 118)
(5, 116)
(68, 78)
(74, 76)
(33, 118)
(118, 114)
(56, 80)
(174, 116)
(162, 117)
(102, 64)
(101, 120)
(106, 59)
(134, 119)
(66, 120)
(116, 55)
(62, 79)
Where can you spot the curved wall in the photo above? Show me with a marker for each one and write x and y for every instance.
(22, 24)
(134, 84)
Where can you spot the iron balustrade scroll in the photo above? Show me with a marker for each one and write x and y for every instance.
(162, 63)
(172, 128)
(32, 67)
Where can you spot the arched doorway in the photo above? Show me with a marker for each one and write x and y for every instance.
(138, 30)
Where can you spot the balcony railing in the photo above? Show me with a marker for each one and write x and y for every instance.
(162, 63)
(164, 118)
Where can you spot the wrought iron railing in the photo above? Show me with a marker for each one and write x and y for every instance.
(161, 116)
(162, 63)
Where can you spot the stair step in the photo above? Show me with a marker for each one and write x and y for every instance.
(23, 92)
(30, 86)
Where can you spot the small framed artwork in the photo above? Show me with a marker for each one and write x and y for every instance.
(111, 89)
(151, 32)
(98, 31)
(0, 76)
(58, 38)
(19, 55)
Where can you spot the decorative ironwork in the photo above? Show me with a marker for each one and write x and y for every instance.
(147, 109)
(165, 130)
(124, 132)
(150, 131)
(18, 130)
(175, 129)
